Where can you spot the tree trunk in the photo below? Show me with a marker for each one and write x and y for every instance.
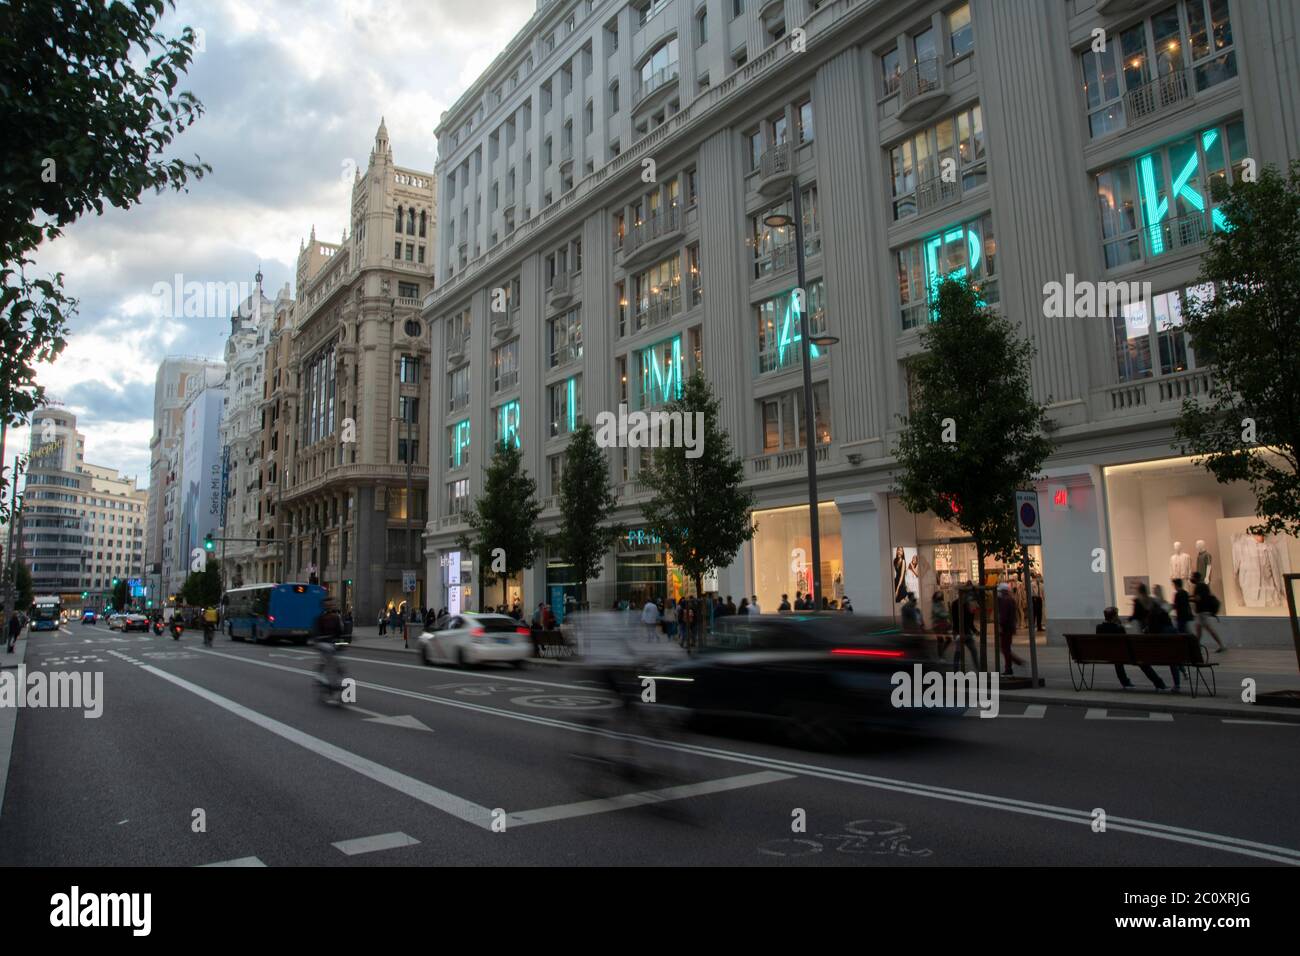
(699, 618)
(504, 580)
(984, 625)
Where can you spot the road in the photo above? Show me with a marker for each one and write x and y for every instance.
(226, 756)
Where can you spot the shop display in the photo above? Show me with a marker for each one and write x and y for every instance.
(1180, 563)
(1257, 562)
(1204, 563)
(900, 569)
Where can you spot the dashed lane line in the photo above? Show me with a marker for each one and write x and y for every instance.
(373, 844)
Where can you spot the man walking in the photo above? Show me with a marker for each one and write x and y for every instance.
(1006, 606)
(650, 620)
(15, 628)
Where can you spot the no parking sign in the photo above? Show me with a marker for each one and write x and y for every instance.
(1029, 529)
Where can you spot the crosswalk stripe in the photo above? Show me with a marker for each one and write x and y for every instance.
(371, 844)
(1100, 713)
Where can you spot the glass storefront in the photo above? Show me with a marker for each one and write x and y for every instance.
(782, 549)
(1168, 518)
(929, 555)
(644, 570)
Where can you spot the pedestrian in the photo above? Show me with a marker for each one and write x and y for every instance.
(650, 620)
(1112, 625)
(785, 603)
(383, 623)
(1207, 606)
(1158, 621)
(670, 620)
(753, 604)
(964, 616)
(846, 605)
(912, 620)
(731, 605)
(744, 606)
(798, 600)
(940, 621)
(15, 628)
(1182, 607)
(1006, 608)
(1037, 601)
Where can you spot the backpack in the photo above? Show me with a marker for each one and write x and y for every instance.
(1210, 605)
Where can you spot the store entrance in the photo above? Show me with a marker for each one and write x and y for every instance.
(944, 565)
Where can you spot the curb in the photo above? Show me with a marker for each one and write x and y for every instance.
(1162, 704)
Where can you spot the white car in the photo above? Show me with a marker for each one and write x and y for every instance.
(469, 639)
(115, 621)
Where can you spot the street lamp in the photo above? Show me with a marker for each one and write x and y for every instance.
(780, 220)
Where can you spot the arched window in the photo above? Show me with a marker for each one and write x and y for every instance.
(410, 221)
(422, 218)
(398, 226)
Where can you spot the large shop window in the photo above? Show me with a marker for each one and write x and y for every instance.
(966, 251)
(565, 402)
(782, 550)
(918, 162)
(1169, 518)
(785, 426)
(774, 249)
(1157, 64)
(1160, 201)
(506, 418)
(779, 327)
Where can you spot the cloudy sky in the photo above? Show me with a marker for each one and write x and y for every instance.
(293, 90)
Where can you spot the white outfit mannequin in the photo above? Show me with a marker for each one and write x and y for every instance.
(1204, 562)
(1180, 563)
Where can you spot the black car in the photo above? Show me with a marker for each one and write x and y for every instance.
(816, 676)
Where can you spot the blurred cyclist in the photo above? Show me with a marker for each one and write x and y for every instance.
(329, 641)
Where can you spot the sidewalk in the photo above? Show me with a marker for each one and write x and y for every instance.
(366, 637)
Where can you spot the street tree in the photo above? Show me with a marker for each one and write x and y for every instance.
(1245, 325)
(90, 103)
(973, 435)
(120, 596)
(586, 503)
(700, 509)
(504, 536)
(23, 585)
(203, 588)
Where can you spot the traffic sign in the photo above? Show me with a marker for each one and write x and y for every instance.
(1029, 529)
(408, 582)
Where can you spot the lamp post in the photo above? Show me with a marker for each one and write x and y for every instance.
(779, 220)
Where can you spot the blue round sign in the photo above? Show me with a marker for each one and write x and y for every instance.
(1028, 515)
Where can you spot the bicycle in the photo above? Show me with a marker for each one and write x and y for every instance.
(876, 837)
(330, 674)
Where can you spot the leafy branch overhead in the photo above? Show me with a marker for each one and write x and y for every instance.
(1248, 330)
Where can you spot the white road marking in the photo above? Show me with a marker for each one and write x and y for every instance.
(1264, 723)
(1032, 712)
(418, 789)
(568, 811)
(371, 844)
(1100, 713)
(242, 861)
(1160, 831)
(402, 720)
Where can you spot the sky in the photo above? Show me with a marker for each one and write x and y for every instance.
(293, 92)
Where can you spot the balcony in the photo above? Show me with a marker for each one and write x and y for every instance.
(503, 323)
(933, 192)
(1159, 97)
(1152, 396)
(776, 170)
(561, 291)
(658, 81)
(661, 307)
(1175, 235)
(457, 348)
(922, 90)
(653, 235)
(783, 463)
(788, 353)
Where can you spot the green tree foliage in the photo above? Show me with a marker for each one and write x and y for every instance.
(120, 596)
(1248, 427)
(504, 535)
(23, 585)
(89, 100)
(700, 511)
(586, 502)
(203, 588)
(972, 386)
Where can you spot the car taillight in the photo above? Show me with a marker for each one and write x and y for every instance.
(524, 631)
(271, 618)
(865, 652)
(478, 632)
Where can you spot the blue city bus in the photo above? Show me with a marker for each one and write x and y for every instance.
(47, 611)
(268, 612)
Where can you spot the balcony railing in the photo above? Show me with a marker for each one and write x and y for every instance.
(921, 90)
(776, 170)
(1172, 235)
(660, 308)
(503, 322)
(561, 290)
(656, 81)
(1152, 395)
(1158, 96)
(651, 233)
(456, 349)
(933, 192)
(505, 380)
(458, 402)
(782, 461)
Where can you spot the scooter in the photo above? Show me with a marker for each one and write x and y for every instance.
(157, 628)
(177, 629)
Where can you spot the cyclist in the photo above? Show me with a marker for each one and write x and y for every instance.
(209, 624)
(329, 641)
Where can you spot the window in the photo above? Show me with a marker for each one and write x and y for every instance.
(458, 388)
(1157, 64)
(613, 98)
(408, 449)
(409, 369)
(1161, 202)
(505, 366)
(546, 154)
(657, 293)
(408, 409)
(702, 27)
(965, 251)
(565, 336)
(692, 186)
(739, 58)
(891, 70)
(410, 252)
(784, 423)
(780, 328)
(661, 372)
(917, 164)
(754, 140)
(620, 303)
(961, 36)
(693, 273)
(660, 67)
(458, 496)
(458, 445)
(804, 116)
(423, 222)
(506, 419)
(555, 467)
(737, 8)
(1142, 346)
(651, 8)
(774, 250)
(564, 399)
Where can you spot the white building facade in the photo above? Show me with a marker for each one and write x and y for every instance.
(605, 185)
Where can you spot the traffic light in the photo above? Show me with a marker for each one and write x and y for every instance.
(114, 582)
(208, 543)
(84, 595)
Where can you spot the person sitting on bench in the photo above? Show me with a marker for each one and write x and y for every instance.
(1111, 625)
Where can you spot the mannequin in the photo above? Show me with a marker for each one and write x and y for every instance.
(1259, 570)
(900, 567)
(1204, 562)
(1180, 563)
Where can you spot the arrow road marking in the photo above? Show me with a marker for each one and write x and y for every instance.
(242, 861)
(402, 720)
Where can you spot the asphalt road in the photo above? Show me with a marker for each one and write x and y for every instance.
(227, 756)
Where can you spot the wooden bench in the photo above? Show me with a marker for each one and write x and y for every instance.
(1173, 650)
